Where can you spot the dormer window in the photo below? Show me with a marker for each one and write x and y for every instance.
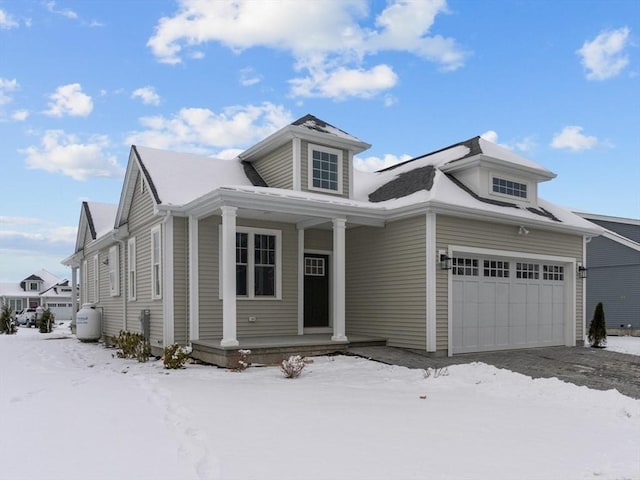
(33, 286)
(509, 187)
(325, 169)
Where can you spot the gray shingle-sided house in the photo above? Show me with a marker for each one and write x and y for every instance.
(614, 271)
(288, 244)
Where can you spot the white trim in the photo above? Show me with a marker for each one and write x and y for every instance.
(296, 150)
(621, 239)
(351, 168)
(300, 281)
(96, 279)
(114, 271)
(74, 294)
(132, 287)
(152, 234)
(328, 329)
(569, 278)
(584, 290)
(167, 272)
(508, 178)
(333, 151)
(194, 286)
(339, 332)
(84, 278)
(228, 264)
(430, 266)
(607, 218)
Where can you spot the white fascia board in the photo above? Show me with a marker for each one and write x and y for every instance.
(128, 188)
(486, 161)
(607, 218)
(622, 240)
(73, 261)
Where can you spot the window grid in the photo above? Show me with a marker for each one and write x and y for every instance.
(325, 170)
(131, 254)
(465, 266)
(265, 264)
(496, 269)
(530, 271)
(553, 272)
(508, 187)
(242, 259)
(314, 267)
(156, 268)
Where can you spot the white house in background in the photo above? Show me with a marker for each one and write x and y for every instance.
(449, 252)
(39, 289)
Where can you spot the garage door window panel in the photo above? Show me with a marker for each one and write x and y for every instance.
(496, 269)
(465, 266)
(553, 273)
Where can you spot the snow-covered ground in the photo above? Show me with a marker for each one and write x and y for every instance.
(72, 411)
(630, 345)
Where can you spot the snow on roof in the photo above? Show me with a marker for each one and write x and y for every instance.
(180, 178)
(103, 216)
(493, 150)
(314, 123)
(15, 290)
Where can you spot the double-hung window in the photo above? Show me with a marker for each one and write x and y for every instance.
(114, 271)
(156, 265)
(325, 169)
(131, 257)
(258, 263)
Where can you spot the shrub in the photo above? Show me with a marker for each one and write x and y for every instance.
(175, 356)
(132, 345)
(244, 360)
(45, 322)
(598, 328)
(292, 367)
(7, 325)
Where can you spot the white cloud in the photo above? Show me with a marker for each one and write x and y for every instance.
(20, 115)
(5, 220)
(328, 39)
(248, 77)
(343, 82)
(65, 12)
(604, 56)
(490, 135)
(6, 21)
(525, 144)
(199, 130)
(572, 138)
(64, 153)
(69, 100)
(372, 164)
(7, 86)
(147, 94)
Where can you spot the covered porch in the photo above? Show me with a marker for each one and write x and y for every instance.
(274, 349)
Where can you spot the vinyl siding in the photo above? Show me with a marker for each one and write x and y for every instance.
(614, 280)
(141, 220)
(273, 317)
(304, 169)
(277, 168)
(181, 280)
(318, 239)
(111, 307)
(473, 233)
(386, 282)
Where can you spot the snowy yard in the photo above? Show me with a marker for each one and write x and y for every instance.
(72, 411)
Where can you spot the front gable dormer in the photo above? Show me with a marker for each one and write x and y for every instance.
(495, 173)
(308, 155)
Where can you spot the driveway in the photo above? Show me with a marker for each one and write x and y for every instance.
(591, 367)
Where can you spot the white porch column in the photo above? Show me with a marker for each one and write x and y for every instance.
(300, 281)
(228, 263)
(194, 276)
(74, 297)
(338, 279)
(431, 268)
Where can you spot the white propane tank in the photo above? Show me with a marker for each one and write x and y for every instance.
(88, 323)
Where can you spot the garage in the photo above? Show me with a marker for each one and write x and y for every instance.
(507, 302)
(61, 311)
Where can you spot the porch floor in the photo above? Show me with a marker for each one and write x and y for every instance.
(272, 350)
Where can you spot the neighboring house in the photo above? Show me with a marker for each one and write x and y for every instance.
(39, 289)
(449, 252)
(613, 260)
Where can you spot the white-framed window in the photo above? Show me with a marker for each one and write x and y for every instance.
(33, 286)
(114, 271)
(528, 271)
(156, 263)
(131, 268)
(314, 266)
(325, 169)
(84, 285)
(464, 266)
(15, 304)
(553, 272)
(510, 188)
(96, 278)
(496, 269)
(258, 263)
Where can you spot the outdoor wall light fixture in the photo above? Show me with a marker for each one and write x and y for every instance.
(522, 230)
(445, 261)
(582, 271)
(105, 261)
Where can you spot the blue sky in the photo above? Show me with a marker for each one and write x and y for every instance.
(80, 81)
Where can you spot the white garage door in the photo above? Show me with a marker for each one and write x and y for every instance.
(61, 311)
(506, 303)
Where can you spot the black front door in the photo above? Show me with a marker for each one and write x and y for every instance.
(316, 290)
